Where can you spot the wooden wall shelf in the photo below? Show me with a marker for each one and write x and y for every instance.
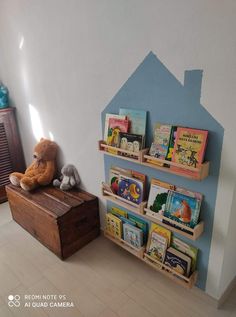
(123, 244)
(187, 282)
(138, 209)
(199, 173)
(141, 210)
(192, 234)
(120, 153)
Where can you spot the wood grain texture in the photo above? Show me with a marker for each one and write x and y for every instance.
(11, 153)
(63, 222)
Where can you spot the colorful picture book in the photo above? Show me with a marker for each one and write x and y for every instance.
(160, 145)
(133, 235)
(141, 224)
(130, 189)
(190, 145)
(171, 143)
(178, 261)
(119, 212)
(138, 119)
(157, 197)
(157, 246)
(127, 184)
(131, 142)
(106, 125)
(160, 230)
(115, 126)
(182, 208)
(187, 249)
(113, 226)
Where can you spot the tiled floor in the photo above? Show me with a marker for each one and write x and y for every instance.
(101, 280)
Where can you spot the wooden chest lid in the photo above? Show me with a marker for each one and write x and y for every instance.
(53, 200)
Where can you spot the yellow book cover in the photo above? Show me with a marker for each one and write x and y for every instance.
(162, 231)
(113, 226)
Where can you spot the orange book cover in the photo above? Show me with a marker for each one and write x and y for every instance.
(190, 145)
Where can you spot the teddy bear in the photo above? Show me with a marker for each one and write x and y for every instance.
(42, 170)
(69, 178)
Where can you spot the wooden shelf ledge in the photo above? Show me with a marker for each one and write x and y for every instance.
(184, 281)
(187, 282)
(138, 209)
(193, 233)
(125, 245)
(120, 153)
(196, 173)
(199, 173)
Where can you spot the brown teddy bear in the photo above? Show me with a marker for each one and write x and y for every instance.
(42, 170)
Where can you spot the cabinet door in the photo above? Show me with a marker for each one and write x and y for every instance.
(11, 154)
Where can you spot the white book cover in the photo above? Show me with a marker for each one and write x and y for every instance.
(106, 125)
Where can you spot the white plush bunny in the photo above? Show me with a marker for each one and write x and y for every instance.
(69, 178)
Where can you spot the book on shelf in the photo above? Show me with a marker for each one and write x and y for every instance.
(157, 246)
(130, 142)
(131, 189)
(115, 126)
(160, 144)
(171, 143)
(178, 261)
(106, 125)
(187, 249)
(114, 177)
(157, 197)
(127, 184)
(119, 212)
(138, 119)
(183, 209)
(141, 224)
(133, 235)
(113, 226)
(189, 149)
(161, 231)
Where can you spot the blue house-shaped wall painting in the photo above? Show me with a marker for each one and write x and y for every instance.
(152, 87)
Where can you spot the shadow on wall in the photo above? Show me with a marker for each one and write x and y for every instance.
(154, 88)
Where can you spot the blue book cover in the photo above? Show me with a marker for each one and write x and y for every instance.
(178, 261)
(141, 224)
(133, 235)
(137, 118)
(182, 208)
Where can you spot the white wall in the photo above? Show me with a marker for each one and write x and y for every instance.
(77, 54)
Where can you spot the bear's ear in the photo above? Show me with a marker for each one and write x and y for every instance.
(41, 139)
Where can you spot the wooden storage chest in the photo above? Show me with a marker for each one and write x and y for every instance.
(62, 221)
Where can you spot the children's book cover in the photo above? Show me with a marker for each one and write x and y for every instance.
(116, 126)
(106, 125)
(183, 209)
(130, 189)
(133, 235)
(171, 143)
(113, 226)
(178, 261)
(141, 224)
(158, 196)
(138, 119)
(119, 212)
(160, 145)
(160, 230)
(187, 249)
(114, 177)
(157, 247)
(190, 145)
(131, 142)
